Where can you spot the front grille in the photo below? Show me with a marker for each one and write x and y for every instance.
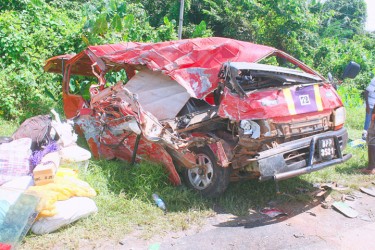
(309, 127)
(299, 158)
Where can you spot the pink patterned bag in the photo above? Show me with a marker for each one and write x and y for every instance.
(14, 159)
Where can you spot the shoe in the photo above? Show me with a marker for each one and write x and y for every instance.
(364, 135)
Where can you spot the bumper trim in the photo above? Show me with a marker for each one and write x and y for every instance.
(307, 170)
(273, 164)
(298, 144)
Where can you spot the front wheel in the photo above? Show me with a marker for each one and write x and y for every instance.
(207, 177)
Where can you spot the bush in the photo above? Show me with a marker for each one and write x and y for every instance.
(42, 29)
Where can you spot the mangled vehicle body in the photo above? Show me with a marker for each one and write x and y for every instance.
(211, 110)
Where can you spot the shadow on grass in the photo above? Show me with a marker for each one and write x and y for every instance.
(257, 219)
(246, 200)
(243, 199)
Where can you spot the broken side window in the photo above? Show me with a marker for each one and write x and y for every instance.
(80, 85)
(114, 76)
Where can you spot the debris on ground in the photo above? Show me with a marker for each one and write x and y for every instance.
(334, 186)
(311, 213)
(368, 191)
(273, 212)
(358, 143)
(320, 193)
(348, 197)
(327, 185)
(17, 211)
(325, 205)
(328, 197)
(365, 218)
(339, 187)
(301, 235)
(159, 202)
(327, 200)
(345, 209)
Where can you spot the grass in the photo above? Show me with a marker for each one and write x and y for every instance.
(7, 128)
(125, 203)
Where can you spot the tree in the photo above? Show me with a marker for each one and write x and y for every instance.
(343, 18)
(289, 26)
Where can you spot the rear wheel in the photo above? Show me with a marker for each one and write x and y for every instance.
(207, 177)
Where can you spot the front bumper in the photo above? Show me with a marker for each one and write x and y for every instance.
(300, 156)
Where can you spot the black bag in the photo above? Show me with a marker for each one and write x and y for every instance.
(37, 128)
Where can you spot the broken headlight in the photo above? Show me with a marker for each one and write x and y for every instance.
(339, 118)
(250, 128)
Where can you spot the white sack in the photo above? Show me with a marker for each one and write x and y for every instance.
(68, 211)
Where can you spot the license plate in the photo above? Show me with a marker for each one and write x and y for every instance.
(326, 148)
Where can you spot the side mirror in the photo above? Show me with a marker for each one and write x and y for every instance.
(351, 70)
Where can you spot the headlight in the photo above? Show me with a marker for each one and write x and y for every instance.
(250, 128)
(339, 118)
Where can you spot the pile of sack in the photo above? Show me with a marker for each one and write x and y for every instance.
(42, 160)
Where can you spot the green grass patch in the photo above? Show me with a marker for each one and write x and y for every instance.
(7, 128)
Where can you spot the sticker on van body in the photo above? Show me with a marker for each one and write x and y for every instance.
(303, 99)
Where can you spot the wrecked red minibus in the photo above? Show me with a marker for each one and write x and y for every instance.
(211, 110)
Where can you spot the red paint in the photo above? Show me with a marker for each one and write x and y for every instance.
(253, 105)
(4, 246)
(72, 104)
(93, 147)
(193, 63)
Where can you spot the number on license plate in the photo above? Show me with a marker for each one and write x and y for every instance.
(326, 148)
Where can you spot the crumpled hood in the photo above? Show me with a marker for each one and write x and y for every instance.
(193, 63)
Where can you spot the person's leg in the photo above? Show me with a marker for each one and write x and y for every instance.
(367, 124)
(370, 150)
(367, 120)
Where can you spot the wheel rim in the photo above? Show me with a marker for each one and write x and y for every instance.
(201, 176)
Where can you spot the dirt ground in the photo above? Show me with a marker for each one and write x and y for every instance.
(306, 226)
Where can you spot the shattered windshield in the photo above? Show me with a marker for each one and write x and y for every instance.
(242, 77)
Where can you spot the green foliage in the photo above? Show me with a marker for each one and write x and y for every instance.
(350, 95)
(344, 18)
(332, 56)
(32, 31)
(201, 30)
(167, 31)
(116, 21)
(289, 26)
(28, 38)
(232, 18)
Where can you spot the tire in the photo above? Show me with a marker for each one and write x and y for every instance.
(208, 179)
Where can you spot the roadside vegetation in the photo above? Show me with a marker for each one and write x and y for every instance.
(324, 35)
